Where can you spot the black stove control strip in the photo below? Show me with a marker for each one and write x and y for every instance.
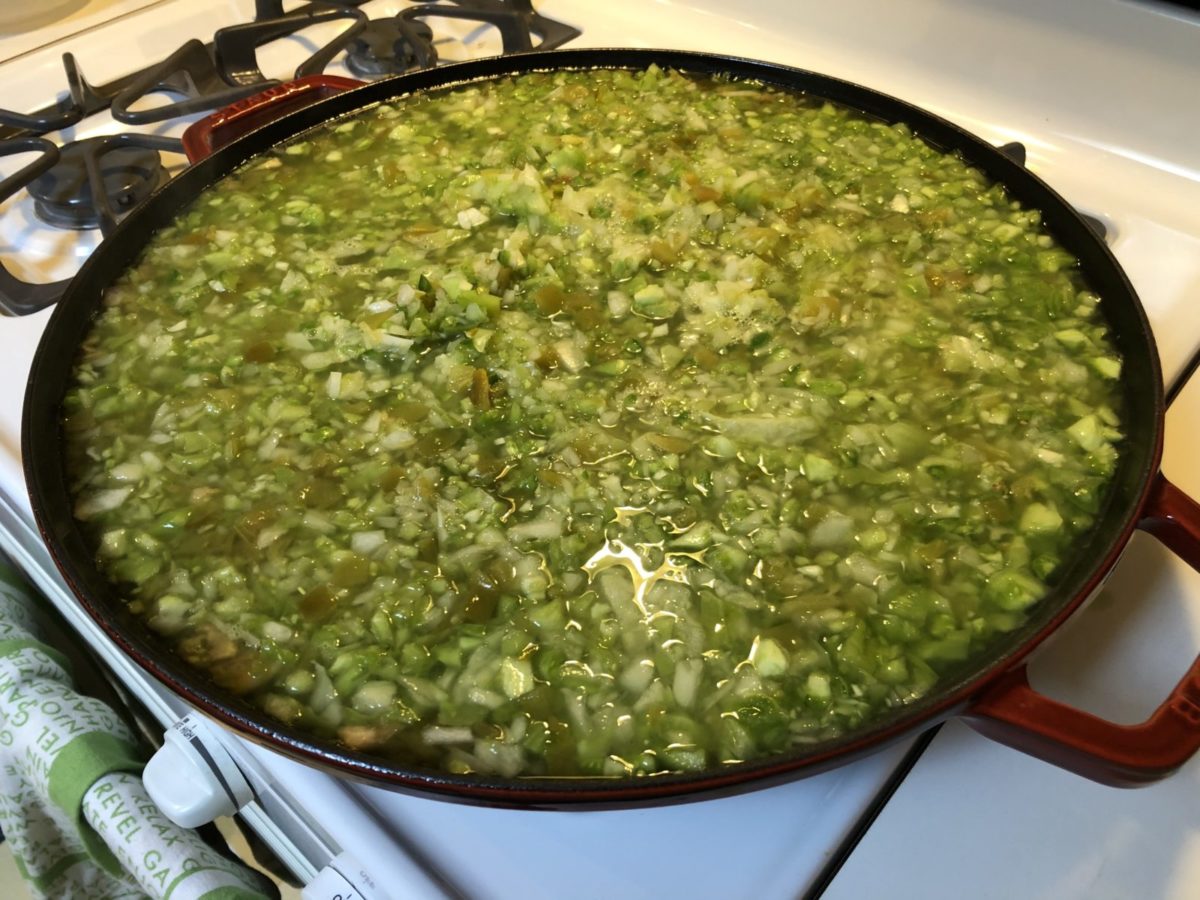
(839, 856)
(1182, 379)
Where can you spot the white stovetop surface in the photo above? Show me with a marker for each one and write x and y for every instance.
(1100, 92)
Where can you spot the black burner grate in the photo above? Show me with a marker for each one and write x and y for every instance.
(516, 20)
(82, 100)
(91, 183)
(206, 76)
(209, 76)
(86, 184)
(17, 297)
(237, 46)
(189, 73)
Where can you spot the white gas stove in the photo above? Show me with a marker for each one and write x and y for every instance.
(1100, 93)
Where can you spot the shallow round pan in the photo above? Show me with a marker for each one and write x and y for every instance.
(990, 690)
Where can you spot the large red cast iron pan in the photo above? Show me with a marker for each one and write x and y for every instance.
(990, 691)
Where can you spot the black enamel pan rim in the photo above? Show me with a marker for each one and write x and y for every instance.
(49, 379)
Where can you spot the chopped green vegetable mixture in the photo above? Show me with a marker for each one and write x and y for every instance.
(596, 422)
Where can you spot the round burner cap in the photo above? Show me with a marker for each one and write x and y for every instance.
(63, 197)
(383, 48)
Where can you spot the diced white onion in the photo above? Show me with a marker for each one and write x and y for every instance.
(319, 522)
(569, 355)
(268, 536)
(637, 676)
(861, 569)
(832, 530)
(687, 680)
(395, 342)
(320, 360)
(365, 543)
(397, 440)
(277, 631)
(470, 218)
(440, 734)
(269, 448)
(374, 696)
(482, 697)
(548, 527)
(491, 537)
(102, 502)
(127, 472)
(505, 759)
(323, 693)
(619, 303)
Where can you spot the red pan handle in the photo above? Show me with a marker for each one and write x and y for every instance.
(1013, 713)
(205, 136)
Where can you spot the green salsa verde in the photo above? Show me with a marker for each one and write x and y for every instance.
(596, 422)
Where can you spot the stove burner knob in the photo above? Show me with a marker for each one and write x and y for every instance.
(192, 778)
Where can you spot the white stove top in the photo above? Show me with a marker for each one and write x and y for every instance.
(1100, 93)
